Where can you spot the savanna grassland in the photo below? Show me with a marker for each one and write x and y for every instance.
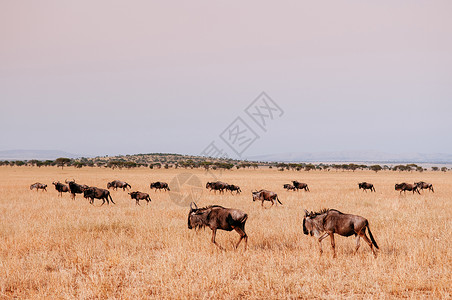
(54, 247)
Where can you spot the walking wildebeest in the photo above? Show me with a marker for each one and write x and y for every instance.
(98, 193)
(217, 186)
(265, 195)
(38, 186)
(300, 186)
(75, 188)
(232, 188)
(115, 184)
(159, 186)
(327, 222)
(217, 217)
(140, 196)
(289, 187)
(61, 188)
(403, 187)
(424, 185)
(366, 186)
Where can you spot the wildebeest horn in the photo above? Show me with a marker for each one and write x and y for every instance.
(196, 206)
(306, 212)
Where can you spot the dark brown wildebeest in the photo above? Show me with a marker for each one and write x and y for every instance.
(232, 188)
(75, 188)
(300, 186)
(38, 186)
(160, 186)
(98, 193)
(115, 184)
(217, 217)
(265, 195)
(327, 222)
(61, 188)
(140, 196)
(289, 187)
(403, 187)
(366, 186)
(217, 186)
(421, 185)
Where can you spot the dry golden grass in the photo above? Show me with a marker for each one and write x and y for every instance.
(54, 247)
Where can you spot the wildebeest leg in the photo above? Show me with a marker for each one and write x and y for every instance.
(321, 238)
(333, 245)
(357, 243)
(365, 238)
(214, 232)
(242, 236)
(138, 202)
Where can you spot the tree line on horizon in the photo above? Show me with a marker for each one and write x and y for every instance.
(120, 163)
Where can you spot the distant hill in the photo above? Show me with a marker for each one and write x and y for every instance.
(35, 154)
(356, 156)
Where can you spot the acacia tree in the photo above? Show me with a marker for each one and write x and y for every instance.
(376, 168)
(61, 161)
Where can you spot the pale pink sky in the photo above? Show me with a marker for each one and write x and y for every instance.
(108, 77)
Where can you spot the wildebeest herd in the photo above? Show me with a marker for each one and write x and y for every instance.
(320, 224)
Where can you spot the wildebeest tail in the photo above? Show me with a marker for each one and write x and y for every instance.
(372, 237)
(111, 199)
(277, 199)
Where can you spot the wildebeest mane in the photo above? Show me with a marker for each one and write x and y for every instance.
(202, 209)
(323, 211)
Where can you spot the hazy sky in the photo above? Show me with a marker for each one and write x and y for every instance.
(123, 77)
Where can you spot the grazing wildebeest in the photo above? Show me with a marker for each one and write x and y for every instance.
(300, 186)
(217, 186)
(424, 185)
(140, 196)
(217, 217)
(327, 222)
(366, 186)
(61, 188)
(159, 186)
(265, 195)
(38, 186)
(75, 188)
(115, 184)
(289, 187)
(98, 193)
(232, 188)
(403, 187)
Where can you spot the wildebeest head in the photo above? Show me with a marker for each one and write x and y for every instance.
(256, 195)
(196, 218)
(109, 185)
(311, 224)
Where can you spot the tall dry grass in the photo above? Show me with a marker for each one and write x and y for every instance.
(52, 247)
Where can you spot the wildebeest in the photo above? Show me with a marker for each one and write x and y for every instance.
(327, 222)
(61, 188)
(403, 187)
(217, 217)
(366, 186)
(265, 195)
(159, 186)
(115, 184)
(424, 185)
(140, 196)
(232, 188)
(75, 188)
(38, 186)
(98, 193)
(300, 185)
(289, 187)
(217, 186)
